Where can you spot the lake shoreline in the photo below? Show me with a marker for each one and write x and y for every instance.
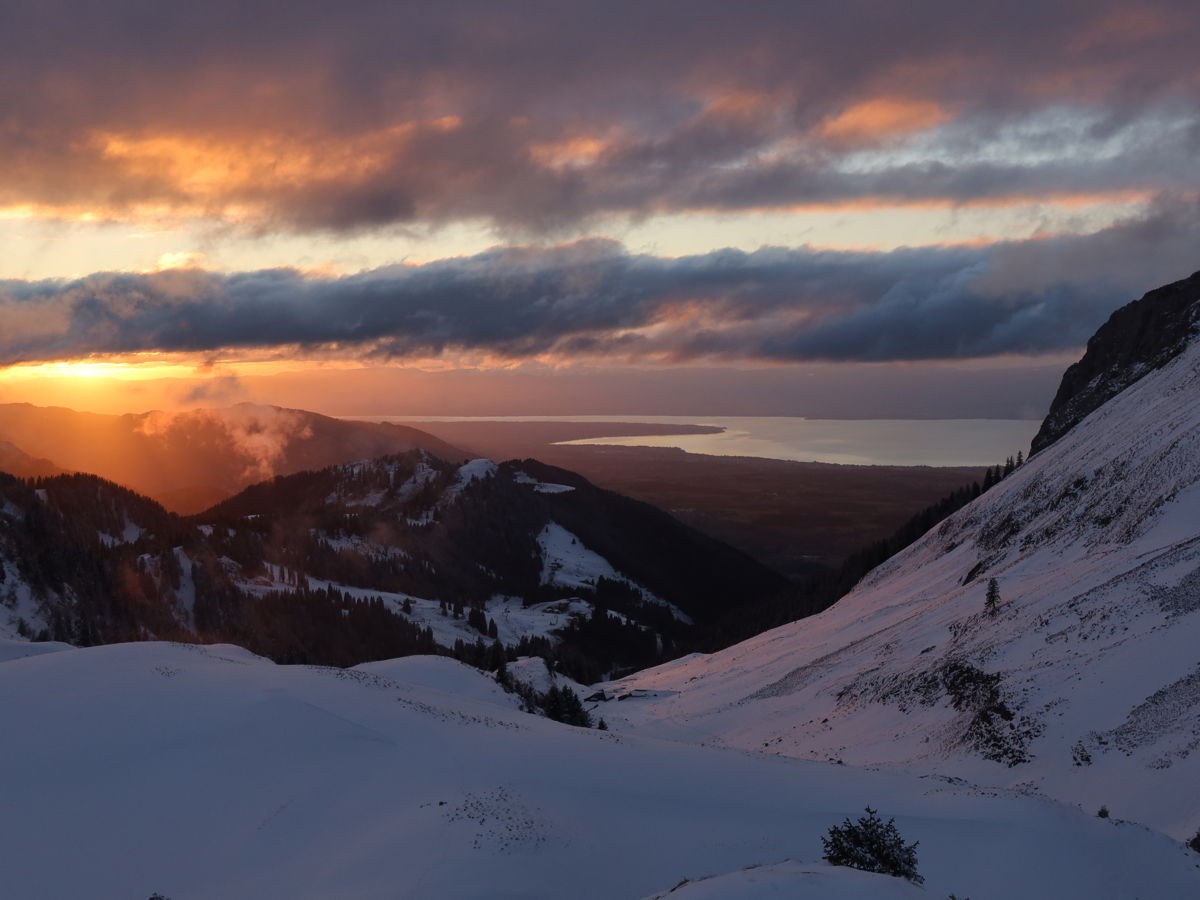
(936, 443)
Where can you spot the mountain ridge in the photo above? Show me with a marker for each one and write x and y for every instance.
(1137, 338)
(401, 554)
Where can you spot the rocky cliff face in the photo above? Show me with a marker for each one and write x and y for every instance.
(1138, 338)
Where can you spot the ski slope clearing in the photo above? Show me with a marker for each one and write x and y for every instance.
(207, 772)
(568, 563)
(1082, 685)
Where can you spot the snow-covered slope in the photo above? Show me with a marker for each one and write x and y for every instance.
(1085, 683)
(207, 772)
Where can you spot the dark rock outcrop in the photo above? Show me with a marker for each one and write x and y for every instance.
(1137, 339)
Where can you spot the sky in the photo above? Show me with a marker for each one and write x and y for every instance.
(818, 208)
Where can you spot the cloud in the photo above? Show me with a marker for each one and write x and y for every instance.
(541, 116)
(259, 434)
(223, 389)
(592, 299)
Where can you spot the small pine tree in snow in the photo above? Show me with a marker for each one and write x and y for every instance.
(991, 602)
(872, 845)
(1194, 843)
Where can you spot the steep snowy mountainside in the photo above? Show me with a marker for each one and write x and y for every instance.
(1083, 685)
(208, 773)
(1138, 338)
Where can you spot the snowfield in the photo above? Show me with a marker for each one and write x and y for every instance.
(1085, 684)
(568, 563)
(514, 620)
(207, 772)
(542, 487)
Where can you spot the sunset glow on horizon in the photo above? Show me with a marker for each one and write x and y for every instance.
(588, 187)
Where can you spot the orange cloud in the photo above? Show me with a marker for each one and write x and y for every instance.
(740, 104)
(570, 152)
(882, 117)
(238, 175)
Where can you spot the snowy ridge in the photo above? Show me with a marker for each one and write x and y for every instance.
(568, 563)
(1083, 685)
(793, 879)
(468, 472)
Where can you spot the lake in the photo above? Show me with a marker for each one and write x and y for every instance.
(882, 442)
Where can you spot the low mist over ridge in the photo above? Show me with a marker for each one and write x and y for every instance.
(193, 459)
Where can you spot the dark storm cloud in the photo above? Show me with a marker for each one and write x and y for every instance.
(593, 299)
(460, 107)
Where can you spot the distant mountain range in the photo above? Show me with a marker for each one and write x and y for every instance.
(17, 462)
(190, 460)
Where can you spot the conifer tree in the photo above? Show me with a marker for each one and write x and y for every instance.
(991, 602)
(873, 846)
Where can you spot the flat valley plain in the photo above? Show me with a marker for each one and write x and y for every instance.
(791, 516)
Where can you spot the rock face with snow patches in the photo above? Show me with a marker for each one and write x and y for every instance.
(1082, 682)
(1138, 338)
